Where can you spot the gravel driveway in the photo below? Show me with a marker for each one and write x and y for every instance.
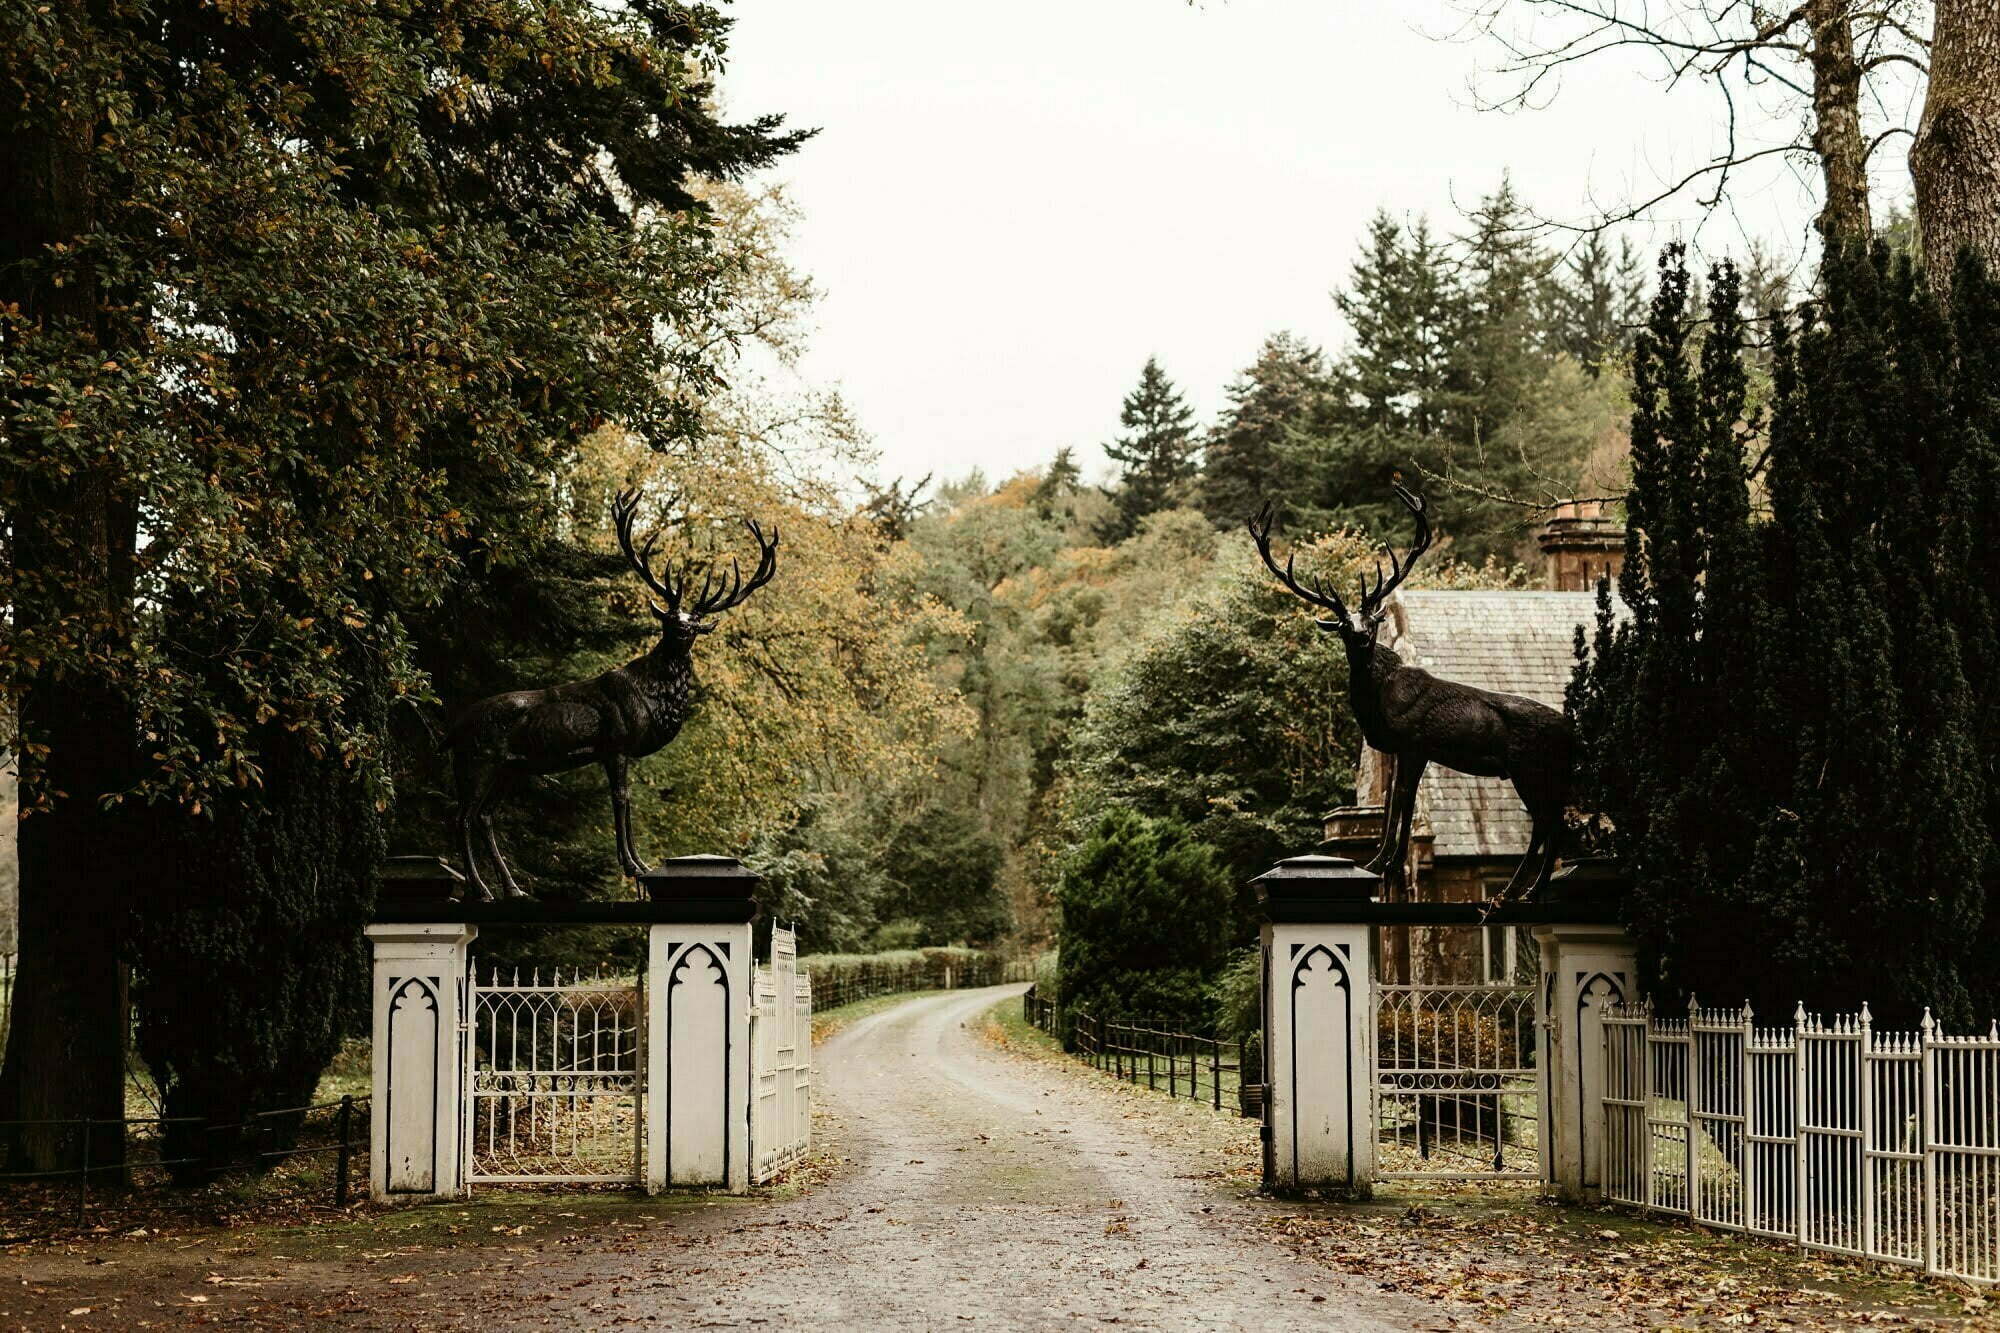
(969, 1187)
(987, 1189)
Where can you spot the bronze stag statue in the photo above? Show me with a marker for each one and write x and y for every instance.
(1417, 720)
(625, 714)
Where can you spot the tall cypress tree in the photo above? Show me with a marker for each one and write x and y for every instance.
(1783, 737)
(1157, 453)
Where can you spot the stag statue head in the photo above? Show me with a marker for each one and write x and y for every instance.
(1357, 633)
(683, 617)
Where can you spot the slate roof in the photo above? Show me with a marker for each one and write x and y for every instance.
(1515, 642)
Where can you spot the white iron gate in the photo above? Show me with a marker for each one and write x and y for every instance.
(781, 1047)
(553, 1080)
(1830, 1134)
(1454, 1082)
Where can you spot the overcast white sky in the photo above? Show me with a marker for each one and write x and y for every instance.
(1009, 207)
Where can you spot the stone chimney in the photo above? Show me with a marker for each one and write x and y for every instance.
(1581, 544)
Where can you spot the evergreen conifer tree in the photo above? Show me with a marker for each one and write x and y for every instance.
(1157, 453)
(1274, 397)
(1601, 301)
(1784, 737)
(1058, 484)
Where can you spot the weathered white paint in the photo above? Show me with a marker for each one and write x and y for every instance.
(415, 1148)
(1585, 970)
(698, 1056)
(781, 1039)
(1829, 1133)
(1319, 1009)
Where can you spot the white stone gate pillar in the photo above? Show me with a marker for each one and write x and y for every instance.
(415, 1149)
(1319, 1018)
(1587, 965)
(697, 1055)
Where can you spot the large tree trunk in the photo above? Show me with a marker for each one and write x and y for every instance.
(72, 549)
(1955, 161)
(1843, 155)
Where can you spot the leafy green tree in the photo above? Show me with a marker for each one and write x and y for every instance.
(1231, 717)
(1274, 397)
(1147, 918)
(944, 874)
(303, 309)
(1157, 454)
(1823, 834)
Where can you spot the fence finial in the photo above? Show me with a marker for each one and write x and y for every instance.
(1928, 1025)
(1866, 1017)
(1799, 1015)
(1749, 1015)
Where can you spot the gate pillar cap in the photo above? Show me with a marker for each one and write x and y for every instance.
(419, 879)
(1589, 879)
(703, 876)
(1316, 879)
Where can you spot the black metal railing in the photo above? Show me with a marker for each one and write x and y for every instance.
(144, 1170)
(1163, 1057)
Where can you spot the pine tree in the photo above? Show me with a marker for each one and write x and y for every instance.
(1504, 335)
(1401, 304)
(1274, 397)
(1600, 301)
(1055, 494)
(1158, 452)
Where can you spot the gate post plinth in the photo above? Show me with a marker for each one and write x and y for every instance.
(1319, 1011)
(415, 1152)
(1587, 965)
(698, 998)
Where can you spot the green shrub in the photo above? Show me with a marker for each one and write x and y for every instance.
(1147, 916)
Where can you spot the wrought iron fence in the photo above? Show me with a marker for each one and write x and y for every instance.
(1195, 1065)
(135, 1181)
(1455, 1082)
(554, 1086)
(1828, 1133)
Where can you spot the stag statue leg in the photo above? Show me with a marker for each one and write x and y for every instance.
(1392, 863)
(1544, 799)
(621, 815)
(475, 782)
(494, 792)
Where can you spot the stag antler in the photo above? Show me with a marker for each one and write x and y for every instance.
(1371, 602)
(1317, 595)
(718, 595)
(623, 510)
